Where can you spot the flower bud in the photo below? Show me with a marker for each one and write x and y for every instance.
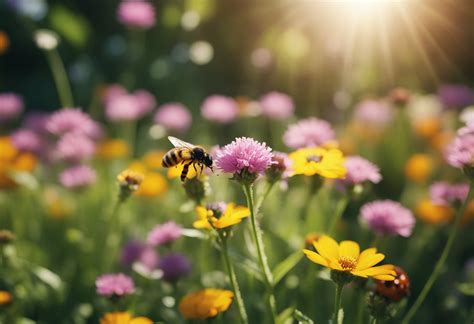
(129, 181)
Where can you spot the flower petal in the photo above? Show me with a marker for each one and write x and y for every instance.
(375, 271)
(349, 248)
(369, 258)
(327, 248)
(385, 277)
(316, 258)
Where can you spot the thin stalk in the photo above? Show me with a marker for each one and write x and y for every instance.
(111, 226)
(360, 307)
(373, 320)
(444, 255)
(315, 184)
(262, 257)
(233, 280)
(340, 208)
(60, 78)
(337, 302)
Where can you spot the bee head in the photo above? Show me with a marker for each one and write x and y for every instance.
(207, 160)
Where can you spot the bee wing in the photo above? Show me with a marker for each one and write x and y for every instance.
(180, 143)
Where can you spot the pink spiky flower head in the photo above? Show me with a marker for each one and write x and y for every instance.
(173, 116)
(444, 193)
(388, 217)
(219, 109)
(11, 105)
(277, 105)
(73, 120)
(308, 132)
(245, 158)
(136, 13)
(360, 170)
(165, 233)
(114, 284)
(77, 177)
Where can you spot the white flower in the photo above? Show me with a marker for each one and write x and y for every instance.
(46, 39)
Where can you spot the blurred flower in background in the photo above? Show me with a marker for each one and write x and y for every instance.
(205, 303)
(360, 170)
(374, 113)
(387, 217)
(46, 39)
(308, 132)
(27, 140)
(432, 213)
(419, 167)
(34, 9)
(444, 193)
(73, 120)
(112, 149)
(74, 148)
(174, 266)
(11, 106)
(136, 13)
(79, 176)
(4, 42)
(114, 285)
(13, 160)
(174, 116)
(455, 95)
(277, 105)
(219, 109)
(140, 252)
(128, 107)
(164, 234)
(123, 318)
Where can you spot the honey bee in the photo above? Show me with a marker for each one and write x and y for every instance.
(186, 154)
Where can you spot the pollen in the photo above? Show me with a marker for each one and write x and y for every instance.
(314, 158)
(347, 263)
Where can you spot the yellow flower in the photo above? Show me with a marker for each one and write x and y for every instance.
(346, 257)
(205, 303)
(12, 160)
(112, 149)
(230, 216)
(123, 318)
(328, 163)
(153, 159)
(419, 168)
(56, 206)
(5, 297)
(154, 184)
(175, 172)
(130, 179)
(433, 214)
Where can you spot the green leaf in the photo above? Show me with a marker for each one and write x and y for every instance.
(48, 277)
(25, 179)
(340, 316)
(466, 288)
(302, 318)
(286, 265)
(73, 27)
(285, 315)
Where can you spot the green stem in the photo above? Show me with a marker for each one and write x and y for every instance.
(60, 78)
(315, 184)
(111, 226)
(373, 320)
(360, 307)
(257, 234)
(233, 279)
(337, 302)
(340, 208)
(444, 255)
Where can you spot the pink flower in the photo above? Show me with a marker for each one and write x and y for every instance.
(308, 132)
(11, 105)
(388, 217)
(129, 107)
(114, 285)
(174, 116)
(219, 109)
(360, 170)
(136, 13)
(73, 120)
(36, 121)
(77, 177)
(164, 233)
(136, 251)
(112, 91)
(374, 112)
(74, 148)
(460, 152)
(27, 140)
(444, 193)
(244, 154)
(277, 105)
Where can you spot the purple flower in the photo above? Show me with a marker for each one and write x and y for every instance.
(137, 251)
(244, 154)
(444, 193)
(128, 107)
(164, 233)
(388, 217)
(374, 112)
(79, 176)
(36, 121)
(360, 170)
(27, 140)
(173, 116)
(74, 148)
(114, 284)
(277, 105)
(219, 109)
(308, 132)
(174, 267)
(136, 13)
(73, 120)
(281, 166)
(11, 105)
(460, 152)
(455, 95)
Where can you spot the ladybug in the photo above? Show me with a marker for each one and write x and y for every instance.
(394, 290)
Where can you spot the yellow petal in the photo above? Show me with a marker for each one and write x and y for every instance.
(316, 258)
(349, 248)
(327, 248)
(375, 271)
(385, 277)
(369, 258)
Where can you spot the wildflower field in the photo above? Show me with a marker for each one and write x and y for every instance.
(205, 161)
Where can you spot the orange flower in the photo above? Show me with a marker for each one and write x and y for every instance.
(205, 303)
(427, 127)
(12, 160)
(153, 184)
(419, 168)
(5, 297)
(4, 42)
(153, 159)
(433, 214)
(112, 149)
(123, 318)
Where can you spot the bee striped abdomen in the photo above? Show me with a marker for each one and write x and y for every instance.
(184, 173)
(175, 156)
